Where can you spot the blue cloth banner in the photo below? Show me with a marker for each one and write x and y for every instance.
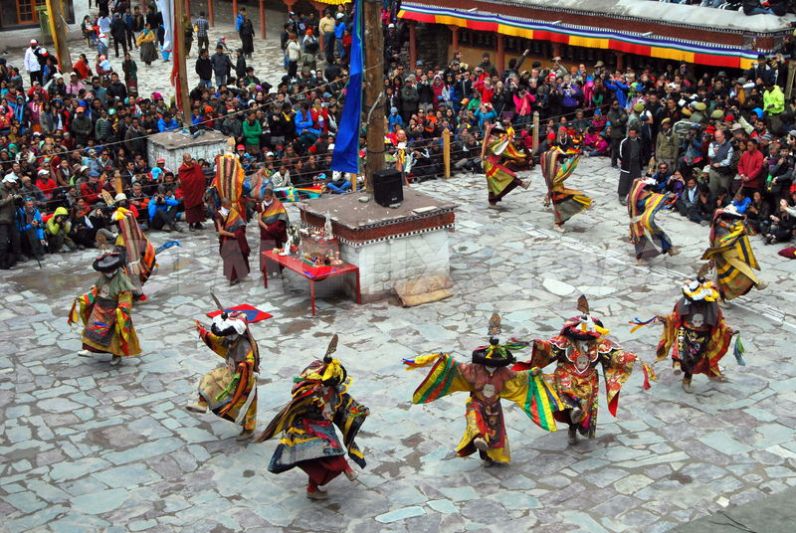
(345, 157)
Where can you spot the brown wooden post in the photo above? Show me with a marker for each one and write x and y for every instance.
(556, 49)
(56, 14)
(374, 89)
(454, 38)
(500, 61)
(535, 138)
(188, 8)
(446, 151)
(234, 10)
(262, 19)
(211, 14)
(620, 60)
(412, 46)
(179, 46)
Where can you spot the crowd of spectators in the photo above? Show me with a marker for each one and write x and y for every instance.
(748, 7)
(709, 138)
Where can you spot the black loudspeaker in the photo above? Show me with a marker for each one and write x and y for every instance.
(388, 187)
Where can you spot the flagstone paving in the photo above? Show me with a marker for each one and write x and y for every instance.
(89, 446)
(86, 446)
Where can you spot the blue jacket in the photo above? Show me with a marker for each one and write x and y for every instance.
(620, 91)
(304, 123)
(25, 227)
(339, 30)
(743, 205)
(238, 21)
(393, 120)
(154, 207)
(167, 126)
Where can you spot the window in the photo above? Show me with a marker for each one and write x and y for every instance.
(26, 11)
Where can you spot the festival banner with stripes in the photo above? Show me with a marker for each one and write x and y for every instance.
(697, 52)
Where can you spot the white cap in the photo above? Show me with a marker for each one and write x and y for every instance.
(120, 197)
(339, 16)
(43, 172)
(10, 178)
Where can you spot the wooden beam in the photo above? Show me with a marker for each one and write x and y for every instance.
(373, 47)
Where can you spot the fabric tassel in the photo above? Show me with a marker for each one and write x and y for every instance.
(738, 351)
(637, 323)
(649, 375)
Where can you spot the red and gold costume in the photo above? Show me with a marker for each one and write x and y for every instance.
(487, 379)
(695, 333)
(577, 351)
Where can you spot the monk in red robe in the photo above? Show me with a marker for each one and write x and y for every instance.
(193, 185)
(273, 222)
(233, 246)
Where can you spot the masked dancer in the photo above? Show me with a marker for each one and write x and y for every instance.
(320, 401)
(105, 311)
(488, 379)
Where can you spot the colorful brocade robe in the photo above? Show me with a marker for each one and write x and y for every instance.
(733, 257)
(575, 378)
(307, 424)
(484, 412)
(228, 181)
(649, 239)
(500, 179)
(696, 344)
(557, 166)
(231, 391)
(139, 252)
(105, 313)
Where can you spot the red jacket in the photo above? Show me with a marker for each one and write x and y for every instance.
(751, 167)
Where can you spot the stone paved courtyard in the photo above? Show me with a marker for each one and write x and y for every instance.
(86, 446)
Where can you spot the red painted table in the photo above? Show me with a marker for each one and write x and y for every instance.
(312, 274)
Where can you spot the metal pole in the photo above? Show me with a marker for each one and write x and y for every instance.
(374, 89)
(446, 151)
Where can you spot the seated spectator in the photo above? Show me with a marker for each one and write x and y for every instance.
(57, 229)
(163, 210)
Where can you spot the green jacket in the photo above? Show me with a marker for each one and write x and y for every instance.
(54, 229)
(773, 101)
(252, 132)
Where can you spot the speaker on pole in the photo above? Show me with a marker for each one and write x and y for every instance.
(388, 187)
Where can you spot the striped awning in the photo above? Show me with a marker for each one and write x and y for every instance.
(701, 53)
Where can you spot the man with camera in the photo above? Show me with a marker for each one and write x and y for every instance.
(10, 201)
(163, 210)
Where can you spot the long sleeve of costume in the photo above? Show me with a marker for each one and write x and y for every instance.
(213, 342)
(348, 418)
(617, 366)
(444, 378)
(535, 397)
(544, 353)
(668, 335)
(124, 321)
(81, 307)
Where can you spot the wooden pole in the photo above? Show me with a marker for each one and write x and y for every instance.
(262, 18)
(446, 151)
(535, 141)
(211, 14)
(374, 89)
(58, 23)
(234, 11)
(179, 45)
